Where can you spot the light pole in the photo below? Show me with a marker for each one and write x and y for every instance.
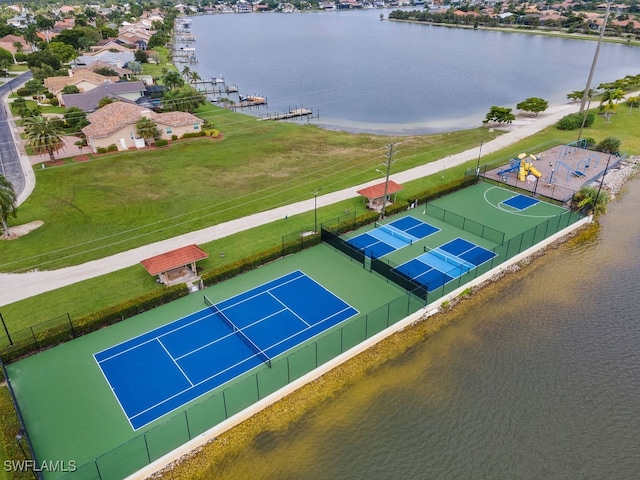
(315, 209)
(386, 180)
(478, 163)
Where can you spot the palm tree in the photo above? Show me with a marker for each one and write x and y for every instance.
(608, 108)
(43, 135)
(31, 35)
(194, 77)
(172, 80)
(633, 102)
(186, 71)
(8, 207)
(146, 128)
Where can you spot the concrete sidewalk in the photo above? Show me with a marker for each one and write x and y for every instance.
(17, 287)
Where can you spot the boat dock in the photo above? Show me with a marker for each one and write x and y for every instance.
(291, 114)
(248, 101)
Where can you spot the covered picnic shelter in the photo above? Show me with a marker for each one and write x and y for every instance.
(375, 194)
(176, 266)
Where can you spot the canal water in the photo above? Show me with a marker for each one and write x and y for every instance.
(363, 74)
(537, 377)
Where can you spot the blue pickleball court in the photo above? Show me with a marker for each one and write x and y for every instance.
(159, 371)
(440, 265)
(393, 236)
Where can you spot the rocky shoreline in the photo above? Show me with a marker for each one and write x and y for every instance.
(616, 177)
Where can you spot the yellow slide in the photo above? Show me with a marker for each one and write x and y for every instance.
(534, 171)
(522, 173)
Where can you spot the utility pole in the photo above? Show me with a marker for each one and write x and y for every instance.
(386, 180)
(585, 94)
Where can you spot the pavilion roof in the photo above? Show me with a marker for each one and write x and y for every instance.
(174, 259)
(377, 191)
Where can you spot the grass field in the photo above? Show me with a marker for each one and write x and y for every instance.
(92, 295)
(120, 201)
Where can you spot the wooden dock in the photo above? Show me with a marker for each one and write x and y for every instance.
(293, 113)
(248, 101)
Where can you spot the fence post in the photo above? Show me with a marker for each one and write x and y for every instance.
(73, 330)
(6, 330)
(35, 340)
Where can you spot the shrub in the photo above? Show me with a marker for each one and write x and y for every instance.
(101, 149)
(162, 142)
(54, 102)
(609, 145)
(112, 148)
(573, 121)
(20, 57)
(22, 92)
(194, 134)
(174, 137)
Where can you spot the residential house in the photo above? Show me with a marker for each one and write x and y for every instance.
(130, 92)
(117, 59)
(123, 73)
(115, 124)
(84, 79)
(7, 42)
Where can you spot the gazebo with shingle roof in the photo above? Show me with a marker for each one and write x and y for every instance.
(176, 266)
(375, 194)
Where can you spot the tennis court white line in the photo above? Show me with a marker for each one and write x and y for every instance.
(288, 309)
(268, 290)
(305, 329)
(229, 334)
(227, 369)
(153, 338)
(189, 388)
(114, 393)
(174, 362)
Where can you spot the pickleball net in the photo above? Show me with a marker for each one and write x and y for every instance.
(395, 233)
(257, 350)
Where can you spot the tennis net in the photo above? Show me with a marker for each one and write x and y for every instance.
(395, 233)
(263, 356)
(455, 261)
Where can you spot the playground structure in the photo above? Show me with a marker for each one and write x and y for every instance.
(579, 171)
(522, 166)
(565, 169)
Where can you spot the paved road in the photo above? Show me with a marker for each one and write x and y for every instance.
(11, 163)
(16, 287)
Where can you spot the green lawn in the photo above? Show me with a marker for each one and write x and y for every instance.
(91, 295)
(124, 200)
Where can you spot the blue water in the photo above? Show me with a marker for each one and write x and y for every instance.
(363, 74)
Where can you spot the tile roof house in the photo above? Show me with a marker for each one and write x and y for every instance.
(82, 78)
(115, 124)
(122, 72)
(88, 101)
(7, 42)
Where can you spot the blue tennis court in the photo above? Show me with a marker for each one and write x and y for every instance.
(161, 370)
(440, 265)
(390, 237)
(520, 202)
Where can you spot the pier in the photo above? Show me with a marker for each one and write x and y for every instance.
(248, 101)
(291, 114)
